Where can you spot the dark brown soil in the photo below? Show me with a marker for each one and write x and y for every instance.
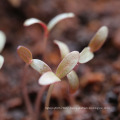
(99, 78)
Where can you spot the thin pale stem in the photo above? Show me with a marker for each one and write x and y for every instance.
(38, 100)
(47, 102)
(25, 93)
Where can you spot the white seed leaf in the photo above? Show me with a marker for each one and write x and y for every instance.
(64, 50)
(58, 18)
(98, 39)
(67, 64)
(86, 55)
(48, 78)
(2, 40)
(40, 66)
(32, 21)
(1, 61)
(73, 81)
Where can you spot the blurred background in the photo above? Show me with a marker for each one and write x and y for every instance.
(99, 78)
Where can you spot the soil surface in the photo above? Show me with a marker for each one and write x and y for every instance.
(98, 97)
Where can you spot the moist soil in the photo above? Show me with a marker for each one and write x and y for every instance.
(98, 97)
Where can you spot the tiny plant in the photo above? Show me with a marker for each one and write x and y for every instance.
(2, 44)
(48, 77)
(85, 55)
(49, 27)
(69, 59)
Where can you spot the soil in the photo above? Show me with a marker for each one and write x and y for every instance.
(98, 97)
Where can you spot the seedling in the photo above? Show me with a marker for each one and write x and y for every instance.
(85, 56)
(48, 27)
(2, 44)
(35, 63)
(69, 59)
(65, 68)
(48, 76)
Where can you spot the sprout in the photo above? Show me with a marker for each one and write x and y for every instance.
(48, 77)
(66, 65)
(72, 76)
(69, 59)
(50, 26)
(84, 56)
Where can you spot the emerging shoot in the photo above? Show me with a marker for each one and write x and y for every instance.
(69, 59)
